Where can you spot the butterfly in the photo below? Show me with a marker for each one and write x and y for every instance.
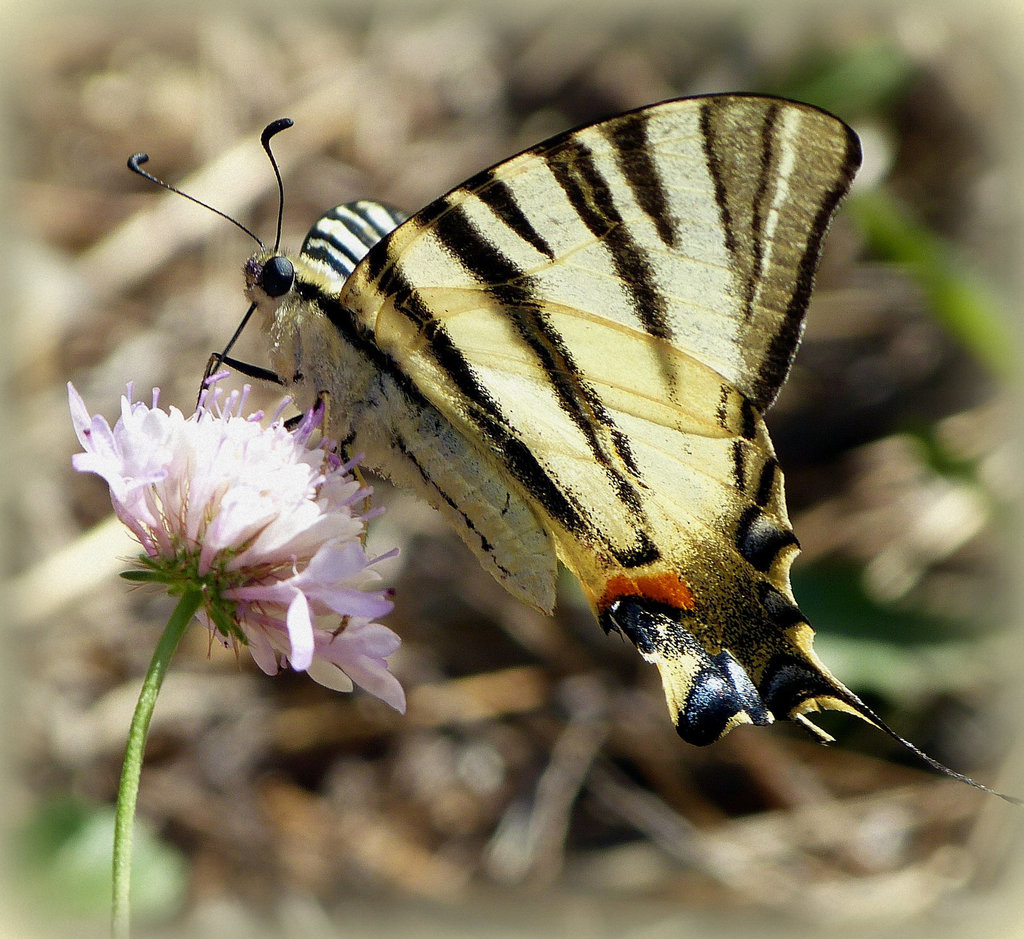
(570, 356)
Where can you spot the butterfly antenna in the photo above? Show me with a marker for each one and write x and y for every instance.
(271, 130)
(135, 162)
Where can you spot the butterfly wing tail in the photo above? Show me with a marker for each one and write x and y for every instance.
(710, 694)
(800, 691)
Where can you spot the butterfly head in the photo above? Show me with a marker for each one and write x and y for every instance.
(269, 276)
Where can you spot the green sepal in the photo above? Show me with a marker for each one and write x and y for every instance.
(224, 622)
(148, 577)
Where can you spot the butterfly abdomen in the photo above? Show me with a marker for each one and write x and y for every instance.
(342, 236)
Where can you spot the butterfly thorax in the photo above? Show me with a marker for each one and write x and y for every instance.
(306, 350)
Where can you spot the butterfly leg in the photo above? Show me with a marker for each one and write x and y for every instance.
(323, 399)
(250, 371)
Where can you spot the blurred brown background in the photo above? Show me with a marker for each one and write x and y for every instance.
(536, 784)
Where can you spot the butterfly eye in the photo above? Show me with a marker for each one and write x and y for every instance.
(277, 277)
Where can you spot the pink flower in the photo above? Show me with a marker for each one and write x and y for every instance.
(262, 521)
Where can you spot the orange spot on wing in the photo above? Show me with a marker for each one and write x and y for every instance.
(669, 589)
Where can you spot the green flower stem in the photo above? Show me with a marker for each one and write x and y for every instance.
(128, 791)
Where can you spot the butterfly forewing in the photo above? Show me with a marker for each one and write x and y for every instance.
(665, 221)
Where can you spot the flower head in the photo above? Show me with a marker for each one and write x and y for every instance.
(264, 522)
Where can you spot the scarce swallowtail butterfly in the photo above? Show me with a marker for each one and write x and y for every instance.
(570, 356)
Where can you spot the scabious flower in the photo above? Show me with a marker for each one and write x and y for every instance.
(265, 524)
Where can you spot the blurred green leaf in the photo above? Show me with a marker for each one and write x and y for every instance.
(940, 459)
(905, 675)
(834, 594)
(959, 301)
(896, 652)
(866, 79)
(64, 854)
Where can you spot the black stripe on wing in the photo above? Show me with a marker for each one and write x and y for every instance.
(499, 198)
(511, 289)
(760, 209)
(493, 424)
(782, 347)
(632, 149)
(760, 540)
(747, 251)
(506, 283)
(743, 220)
(576, 172)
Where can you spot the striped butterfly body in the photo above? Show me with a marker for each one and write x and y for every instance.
(570, 354)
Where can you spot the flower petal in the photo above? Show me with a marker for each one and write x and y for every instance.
(360, 650)
(300, 633)
(263, 653)
(329, 675)
(373, 675)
